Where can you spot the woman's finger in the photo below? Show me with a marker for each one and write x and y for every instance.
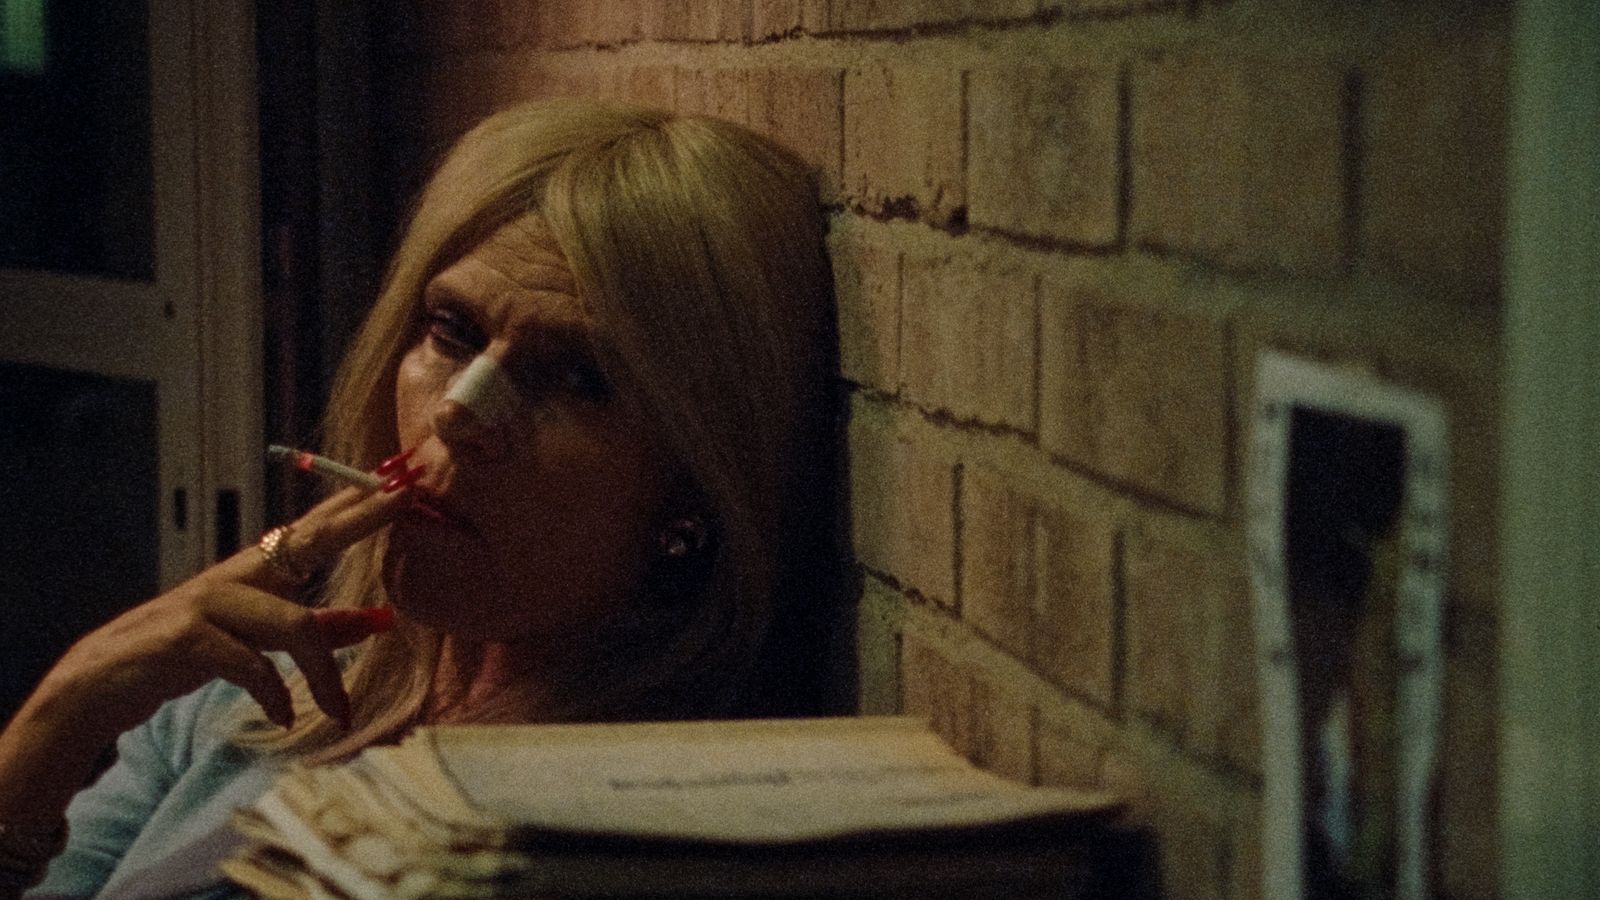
(346, 525)
(316, 539)
(263, 621)
(343, 627)
(323, 675)
(233, 661)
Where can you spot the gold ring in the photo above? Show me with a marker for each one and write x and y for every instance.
(274, 548)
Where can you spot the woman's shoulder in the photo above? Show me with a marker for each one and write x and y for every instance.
(172, 788)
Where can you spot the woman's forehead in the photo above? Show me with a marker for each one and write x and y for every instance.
(524, 249)
(520, 262)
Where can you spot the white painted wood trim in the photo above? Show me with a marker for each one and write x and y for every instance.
(228, 241)
(1550, 660)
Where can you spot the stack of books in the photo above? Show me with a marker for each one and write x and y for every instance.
(849, 807)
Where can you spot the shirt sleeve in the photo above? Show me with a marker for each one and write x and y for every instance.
(105, 818)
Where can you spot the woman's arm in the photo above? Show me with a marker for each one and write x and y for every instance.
(218, 624)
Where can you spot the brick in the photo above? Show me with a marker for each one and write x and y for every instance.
(1122, 774)
(1164, 661)
(1007, 10)
(967, 338)
(430, 27)
(902, 507)
(1434, 187)
(903, 140)
(734, 23)
(1074, 622)
(1000, 733)
(799, 108)
(867, 289)
(1044, 153)
(896, 15)
(936, 689)
(872, 15)
(1103, 7)
(1238, 731)
(1240, 161)
(997, 561)
(560, 24)
(1069, 754)
(1193, 821)
(1190, 651)
(724, 93)
(1194, 850)
(587, 81)
(979, 718)
(1138, 396)
(879, 614)
(778, 18)
(1038, 582)
(651, 86)
(576, 23)
(696, 20)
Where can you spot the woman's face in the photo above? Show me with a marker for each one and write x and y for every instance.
(553, 494)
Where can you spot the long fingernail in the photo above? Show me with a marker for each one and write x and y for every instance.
(421, 507)
(343, 627)
(380, 618)
(403, 479)
(394, 462)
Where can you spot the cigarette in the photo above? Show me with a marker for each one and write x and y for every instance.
(322, 465)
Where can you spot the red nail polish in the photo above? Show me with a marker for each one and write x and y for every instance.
(404, 479)
(394, 462)
(380, 618)
(344, 626)
(421, 508)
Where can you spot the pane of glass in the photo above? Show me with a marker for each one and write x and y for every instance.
(79, 507)
(76, 182)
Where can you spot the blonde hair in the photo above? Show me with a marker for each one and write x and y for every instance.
(698, 248)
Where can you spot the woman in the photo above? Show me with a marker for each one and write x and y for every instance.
(597, 382)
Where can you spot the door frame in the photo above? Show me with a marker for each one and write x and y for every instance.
(195, 329)
(228, 226)
(1550, 515)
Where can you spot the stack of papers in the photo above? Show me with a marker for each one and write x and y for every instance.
(876, 806)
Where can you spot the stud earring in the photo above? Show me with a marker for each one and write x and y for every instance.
(682, 538)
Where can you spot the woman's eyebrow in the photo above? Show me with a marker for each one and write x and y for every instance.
(559, 331)
(439, 291)
(563, 330)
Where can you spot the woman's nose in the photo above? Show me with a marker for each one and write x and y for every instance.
(475, 411)
(465, 432)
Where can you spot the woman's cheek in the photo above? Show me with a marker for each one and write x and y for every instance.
(416, 384)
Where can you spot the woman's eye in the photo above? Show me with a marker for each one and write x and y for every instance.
(453, 332)
(563, 374)
(587, 381)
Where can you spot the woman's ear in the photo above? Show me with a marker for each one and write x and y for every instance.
(682, 537)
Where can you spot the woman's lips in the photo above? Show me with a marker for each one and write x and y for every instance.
(436, 508)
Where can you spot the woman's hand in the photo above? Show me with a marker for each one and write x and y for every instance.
(218, 624)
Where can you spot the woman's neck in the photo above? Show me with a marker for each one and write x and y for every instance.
(477, 678)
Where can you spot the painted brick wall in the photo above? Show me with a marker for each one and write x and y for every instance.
(1062, 230)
